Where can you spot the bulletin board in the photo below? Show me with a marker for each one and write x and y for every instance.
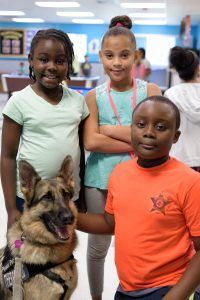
(12, 42)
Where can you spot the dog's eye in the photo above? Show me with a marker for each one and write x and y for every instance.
(67, 195)
(47, 197)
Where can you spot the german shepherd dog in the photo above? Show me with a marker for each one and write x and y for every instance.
(44, 237)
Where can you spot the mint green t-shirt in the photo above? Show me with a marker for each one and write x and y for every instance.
(49, 132)
(100, 165)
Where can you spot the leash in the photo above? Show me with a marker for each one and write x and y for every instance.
(114, 108)
(17, 282)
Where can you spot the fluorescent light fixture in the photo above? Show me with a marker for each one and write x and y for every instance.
(149, 22)
(142, 5)
(88, 21)
(147, 15)
(75, 14)
(28, 20)
(57, 4)
(11, 13)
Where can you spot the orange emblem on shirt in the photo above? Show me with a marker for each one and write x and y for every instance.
(159, 203)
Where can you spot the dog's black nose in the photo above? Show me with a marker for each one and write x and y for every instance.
(65, 217)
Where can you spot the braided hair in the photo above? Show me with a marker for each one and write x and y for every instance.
(53, 34)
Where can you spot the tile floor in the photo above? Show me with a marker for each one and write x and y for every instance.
(82, 291)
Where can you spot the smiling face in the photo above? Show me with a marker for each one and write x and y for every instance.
(153, 132)
(49, 64)
(117, 56)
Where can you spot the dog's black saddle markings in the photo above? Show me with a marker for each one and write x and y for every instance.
(30, 270)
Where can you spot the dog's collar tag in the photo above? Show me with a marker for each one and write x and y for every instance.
(18, 244)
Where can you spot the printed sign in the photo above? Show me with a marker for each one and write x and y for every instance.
(12, 42)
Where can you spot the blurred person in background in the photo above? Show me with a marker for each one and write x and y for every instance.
(186, 96)
(86, 67)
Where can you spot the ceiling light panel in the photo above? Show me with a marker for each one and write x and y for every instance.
(57, 4)
(88, 21)
(142, 5)
(11, 13)
(149, 22)
(147, 15)
(75, 14)
(28, 20)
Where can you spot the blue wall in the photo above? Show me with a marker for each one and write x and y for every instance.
(97, 31)
(198, 37)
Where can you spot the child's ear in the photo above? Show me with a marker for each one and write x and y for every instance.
(30, 59)
(100, 55)
(136, 55)
(176, 136)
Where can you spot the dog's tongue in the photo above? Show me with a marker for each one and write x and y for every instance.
(62, 232)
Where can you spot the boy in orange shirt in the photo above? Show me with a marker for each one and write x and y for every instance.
(153, 209)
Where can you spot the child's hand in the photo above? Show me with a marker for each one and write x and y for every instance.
(13, 216)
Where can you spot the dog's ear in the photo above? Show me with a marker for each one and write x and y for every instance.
(67, 171)
(28, 179)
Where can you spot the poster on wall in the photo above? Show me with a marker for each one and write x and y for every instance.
(94, 46)
(12, 42)
(29, 36)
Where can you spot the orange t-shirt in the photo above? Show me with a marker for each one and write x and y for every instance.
(156, 210)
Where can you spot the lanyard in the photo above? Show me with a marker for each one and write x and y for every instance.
(112, 104)
(114, 108)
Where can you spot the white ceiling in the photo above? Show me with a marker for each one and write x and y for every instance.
(103, 9)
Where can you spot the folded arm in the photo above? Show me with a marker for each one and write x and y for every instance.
(118, 132)
(96, 141)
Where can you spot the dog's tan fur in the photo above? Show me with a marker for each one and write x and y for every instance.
(41, 246)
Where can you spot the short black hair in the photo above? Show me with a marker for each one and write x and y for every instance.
(120, 25)
(53, 34)
(143, 51)
(165, 100)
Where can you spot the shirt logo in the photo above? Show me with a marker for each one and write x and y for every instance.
(159, 204)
